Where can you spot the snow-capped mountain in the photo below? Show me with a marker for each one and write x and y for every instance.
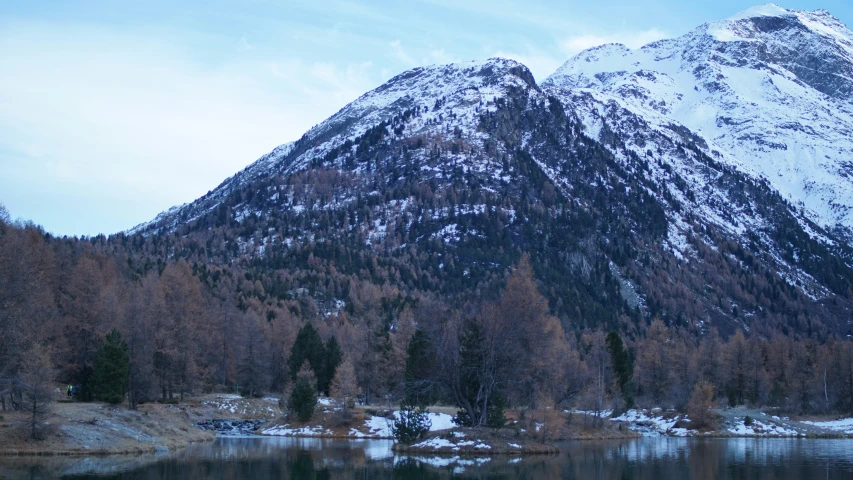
(701, 179)
(427, 102)
(769, 91)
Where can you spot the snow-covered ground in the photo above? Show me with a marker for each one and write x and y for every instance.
(844, 425)
(757, 428)
(374, 427)
(286, 431)
(653, 423)
(231, 405)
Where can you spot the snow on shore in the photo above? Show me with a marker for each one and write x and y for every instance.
(374, 427)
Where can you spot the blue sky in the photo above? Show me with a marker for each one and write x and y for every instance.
(111, 112)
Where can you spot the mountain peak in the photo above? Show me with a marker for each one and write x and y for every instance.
(766, 10)
(769, 87)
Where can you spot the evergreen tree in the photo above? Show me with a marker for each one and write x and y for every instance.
(419, 370)
(333, 357)
(476, 377)
(496, 417)
(621, 367)
(307, 347)
(303, 398)
(84, 379)
(111, 369)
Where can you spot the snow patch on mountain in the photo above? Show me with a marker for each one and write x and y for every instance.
(767, 90)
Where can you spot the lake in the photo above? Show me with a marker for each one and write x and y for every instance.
(306, 458)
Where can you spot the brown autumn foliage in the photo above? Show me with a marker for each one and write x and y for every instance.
(193, 327)
(699, 407)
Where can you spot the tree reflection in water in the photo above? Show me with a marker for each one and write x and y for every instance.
(647, 458)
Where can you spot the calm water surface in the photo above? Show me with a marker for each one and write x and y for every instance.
(647, 458)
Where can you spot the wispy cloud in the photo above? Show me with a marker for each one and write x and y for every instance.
(126, 125)
(575, 44)
(399, 53)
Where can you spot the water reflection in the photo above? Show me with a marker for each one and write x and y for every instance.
(306, 458)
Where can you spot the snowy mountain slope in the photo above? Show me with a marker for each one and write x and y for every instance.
(444, 175)
(436, 100)
(768, 90)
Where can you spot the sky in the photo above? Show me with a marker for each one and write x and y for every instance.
(111, 112)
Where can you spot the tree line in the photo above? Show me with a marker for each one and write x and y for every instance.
(186, 330)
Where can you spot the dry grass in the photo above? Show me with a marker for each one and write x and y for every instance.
(99, 429)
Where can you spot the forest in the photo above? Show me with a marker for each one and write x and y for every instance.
(189, 327)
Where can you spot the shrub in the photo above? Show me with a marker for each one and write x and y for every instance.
(412, 424)
(462, 419)
(747, 421)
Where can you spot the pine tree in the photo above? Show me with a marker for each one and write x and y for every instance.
(303, 399)
(111, 369)
(309, 347)
(36, 378)
(622, 367)
(475, 377)
(496, 417)
(419, 369)
(333, 356)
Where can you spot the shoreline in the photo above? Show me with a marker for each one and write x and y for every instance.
(101, 430)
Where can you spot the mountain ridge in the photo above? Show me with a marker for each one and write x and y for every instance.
(449, 172)
(722, 82)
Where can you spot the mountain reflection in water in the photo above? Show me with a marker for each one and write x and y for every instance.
(307, 458)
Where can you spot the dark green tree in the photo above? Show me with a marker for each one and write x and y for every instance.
(84, 379)
(111, 369)
(333, 357)
(307, 347)
(622, 367)
(496, 417)
(419, 371)
(303, 398)
(477, 380)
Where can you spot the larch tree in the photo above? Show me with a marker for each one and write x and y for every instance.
(654, 362)
(140, 343)
(699, 408)
(183, 301)
(736, 364)
(344, 387)
(37, 377)
(252, 370)
(530, 341)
